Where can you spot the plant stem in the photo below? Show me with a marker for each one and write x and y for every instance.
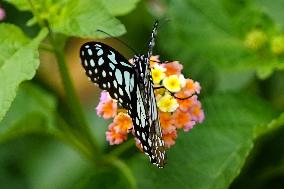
(122, 148)
(120, 165)
(67, 135)
(72, 99)
(46, 47)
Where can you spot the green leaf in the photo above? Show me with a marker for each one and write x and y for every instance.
(120, 7)
(207, 30)
(212, 154)
(19, 60)
(273, 125)
(77, 18)
(32, 111)
(273, 9)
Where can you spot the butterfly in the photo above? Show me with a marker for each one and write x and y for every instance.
(132, 86)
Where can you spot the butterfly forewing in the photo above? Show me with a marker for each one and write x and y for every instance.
(110, 70)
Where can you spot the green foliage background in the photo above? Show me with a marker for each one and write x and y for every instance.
(50, 141)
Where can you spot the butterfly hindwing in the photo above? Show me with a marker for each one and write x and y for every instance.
(110, 70)
(154, 145)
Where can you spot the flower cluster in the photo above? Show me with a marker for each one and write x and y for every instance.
(177, 104)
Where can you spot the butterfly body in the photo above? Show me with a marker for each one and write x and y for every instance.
(131, 85)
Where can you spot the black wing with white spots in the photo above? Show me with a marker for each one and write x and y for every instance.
(110, 70)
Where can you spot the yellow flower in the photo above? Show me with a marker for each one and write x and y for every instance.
(172, 83)
(167, 103)
(277, 45)
(255, 39)
(158, 73)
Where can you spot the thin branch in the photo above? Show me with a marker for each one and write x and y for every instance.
(173, 94)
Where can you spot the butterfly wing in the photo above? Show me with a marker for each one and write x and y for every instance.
(149, 133)
(155, 132)
(110, 70)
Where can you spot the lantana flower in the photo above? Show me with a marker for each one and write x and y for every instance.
(167, 103)
(107, 107)
(172, 83)
(177, 102)
(158, 73)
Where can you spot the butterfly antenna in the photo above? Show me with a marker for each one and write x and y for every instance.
(133, 50)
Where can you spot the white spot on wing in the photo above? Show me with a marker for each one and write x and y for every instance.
(100, 52)
(86, 62)
(115, 83)
(101, 61)
(118, 76)
(143, 136)
(90, 52)
(120, 91)
(111, 57)
(92, 62)
(104, 73)
(127, 82)
(125, 64)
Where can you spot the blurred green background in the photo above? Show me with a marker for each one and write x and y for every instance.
(234, 48)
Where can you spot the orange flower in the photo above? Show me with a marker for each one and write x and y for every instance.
(123, 122)
(181, 118)
(173, 68)
(197, 112)
(166, 122)
(187, 103)
(169, 138)
(107, 107)
(114, 137)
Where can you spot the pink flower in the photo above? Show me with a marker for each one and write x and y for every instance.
(184, 105)
(2, 14)
(189, 89)
(181, 118)
(123, 123)
(107, 107)
(173, 68)
(188, 126)
(197, 112)
(114, 137)
(167, 123)
(170, 138)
